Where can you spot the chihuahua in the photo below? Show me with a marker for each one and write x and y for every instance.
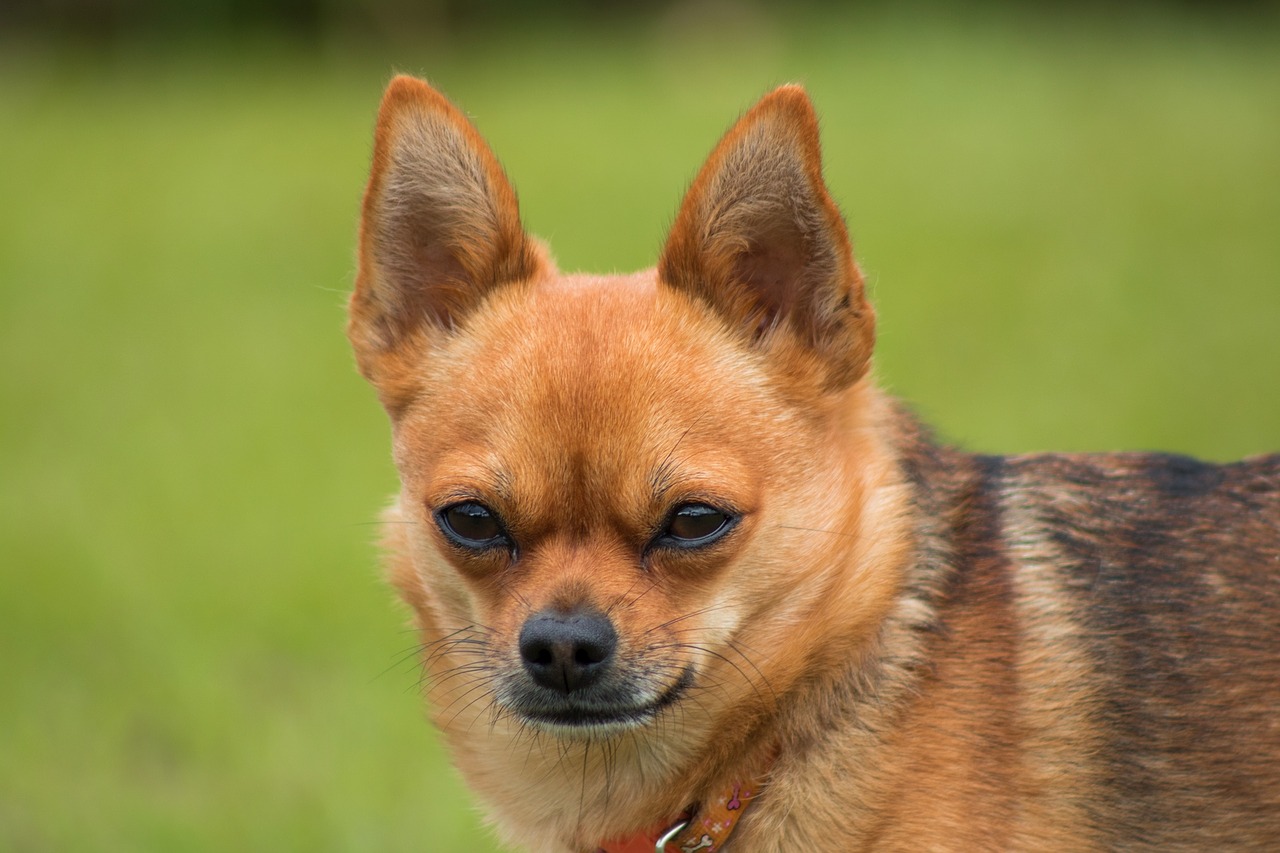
(685, 579)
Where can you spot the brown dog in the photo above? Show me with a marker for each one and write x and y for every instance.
(676, 561)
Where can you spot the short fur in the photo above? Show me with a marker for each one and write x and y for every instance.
(945, 651)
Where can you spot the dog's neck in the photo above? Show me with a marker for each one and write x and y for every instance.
(703, 826)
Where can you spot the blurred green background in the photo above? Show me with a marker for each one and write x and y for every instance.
(1070, 223)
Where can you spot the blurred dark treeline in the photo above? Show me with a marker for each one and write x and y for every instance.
(107, 19)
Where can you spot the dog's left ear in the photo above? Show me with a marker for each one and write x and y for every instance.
(759, 238)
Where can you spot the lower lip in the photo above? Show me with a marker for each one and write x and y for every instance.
(627, 718)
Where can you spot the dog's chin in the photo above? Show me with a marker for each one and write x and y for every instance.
(574, 719)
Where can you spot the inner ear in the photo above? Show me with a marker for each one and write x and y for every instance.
(767, 275)
(760, 240)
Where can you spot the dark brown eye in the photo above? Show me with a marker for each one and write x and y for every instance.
(472, 525)
(694, 525)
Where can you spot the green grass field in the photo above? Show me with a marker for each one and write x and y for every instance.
(1072, 230)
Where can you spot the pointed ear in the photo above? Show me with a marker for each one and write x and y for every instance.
(440, 226)
(759, 238)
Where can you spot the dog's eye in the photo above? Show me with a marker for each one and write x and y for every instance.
(472, 525)
(694, 525)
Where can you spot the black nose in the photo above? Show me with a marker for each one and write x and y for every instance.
(567, 651)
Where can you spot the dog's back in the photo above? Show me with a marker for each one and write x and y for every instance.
(1111, 626)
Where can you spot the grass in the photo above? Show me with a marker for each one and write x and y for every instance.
(1070, 228)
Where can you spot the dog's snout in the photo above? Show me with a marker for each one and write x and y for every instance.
(567, 651)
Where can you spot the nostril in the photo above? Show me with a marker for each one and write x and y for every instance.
(537, 645)
(589, 654)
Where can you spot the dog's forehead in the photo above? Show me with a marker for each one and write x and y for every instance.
(596, 378)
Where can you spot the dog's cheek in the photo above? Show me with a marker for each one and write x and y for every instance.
(455, 604)
(425, 579)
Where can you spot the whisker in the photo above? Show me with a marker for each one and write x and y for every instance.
(582, 782)
(662, 472)
(481, 686)
(652, 586)
(699, 612)
(401, 659)
(747, 678)
(438, 683)
(819, 530)
(623, 598)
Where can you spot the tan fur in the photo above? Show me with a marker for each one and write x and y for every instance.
(890, 618)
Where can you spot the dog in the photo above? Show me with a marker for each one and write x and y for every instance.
(685, 579)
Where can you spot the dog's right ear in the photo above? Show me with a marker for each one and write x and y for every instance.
(440, 229)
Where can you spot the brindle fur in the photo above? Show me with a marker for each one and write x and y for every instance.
(1123, 610)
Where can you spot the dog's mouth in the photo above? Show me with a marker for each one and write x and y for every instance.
(580, 716)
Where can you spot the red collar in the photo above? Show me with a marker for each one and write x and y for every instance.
(703, 830)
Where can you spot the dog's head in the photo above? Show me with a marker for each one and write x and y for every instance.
(624, 497)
